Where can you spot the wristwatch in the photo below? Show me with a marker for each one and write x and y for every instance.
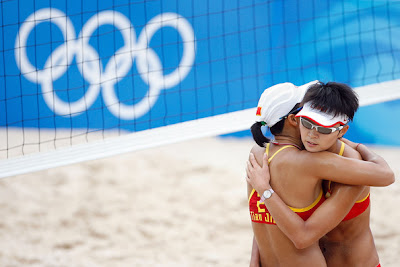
(267, 194)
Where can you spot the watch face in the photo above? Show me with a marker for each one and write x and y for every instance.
(267, 194)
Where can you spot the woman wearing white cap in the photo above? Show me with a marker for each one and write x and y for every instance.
(296, 177)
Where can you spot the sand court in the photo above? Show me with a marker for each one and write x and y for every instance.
(178, 205)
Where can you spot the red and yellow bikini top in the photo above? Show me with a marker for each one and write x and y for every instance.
(359, 207)
(259, 212)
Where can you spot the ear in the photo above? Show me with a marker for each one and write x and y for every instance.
(343, 131)
(293, 120)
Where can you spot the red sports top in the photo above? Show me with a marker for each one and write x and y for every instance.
(359, 207)
(259, 212)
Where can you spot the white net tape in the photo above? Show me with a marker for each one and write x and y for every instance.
(211, 126)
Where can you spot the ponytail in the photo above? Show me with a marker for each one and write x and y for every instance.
(258, 136)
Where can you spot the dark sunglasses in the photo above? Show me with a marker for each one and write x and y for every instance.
(323, 130)
(291, 112)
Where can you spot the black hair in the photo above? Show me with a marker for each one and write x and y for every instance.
(276, 129)
(333, 98)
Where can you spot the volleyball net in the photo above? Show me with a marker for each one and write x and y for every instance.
(88, 79)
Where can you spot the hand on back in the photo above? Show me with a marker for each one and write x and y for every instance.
(258, 176)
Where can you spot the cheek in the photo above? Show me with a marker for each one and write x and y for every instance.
(303, 135)
(327, 140)
(303, 132)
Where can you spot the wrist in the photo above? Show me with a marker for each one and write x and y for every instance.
(266, 195)
(358, 146)
(262, 189)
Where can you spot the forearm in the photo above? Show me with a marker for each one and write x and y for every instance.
(305, 233)
(288, 222)
(375, 166)
(370, 156)
(344, 170)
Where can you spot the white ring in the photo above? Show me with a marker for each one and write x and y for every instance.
(188, 39)
(89, 64)
(65, 25)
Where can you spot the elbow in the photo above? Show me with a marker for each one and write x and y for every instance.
(385, 178)
(389, 178)
(392, 178)
(301, 242)
(300, 245)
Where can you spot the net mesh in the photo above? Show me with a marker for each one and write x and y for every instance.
(76, 73)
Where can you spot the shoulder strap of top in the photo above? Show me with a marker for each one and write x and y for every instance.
(267, 148)
(340, 154)
(329, 187)
(341, 149)
(282, 148)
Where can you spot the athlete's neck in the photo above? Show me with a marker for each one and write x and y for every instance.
(335, 148)
(282, 139)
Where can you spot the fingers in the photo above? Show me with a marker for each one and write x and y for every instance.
(252, 164)
(248, 173)
(248, 179)
(265, 160)
(252, 160)
(344, 139)
(350, 143)
(347, 141)
(249, 167)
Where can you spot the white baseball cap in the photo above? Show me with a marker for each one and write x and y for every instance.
(321, 118)
(278, 100)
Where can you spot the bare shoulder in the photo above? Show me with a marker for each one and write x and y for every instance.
(350, 152)
(294, 161)
(258, 153)
(304, 158)
(316, 157)
(310, 163)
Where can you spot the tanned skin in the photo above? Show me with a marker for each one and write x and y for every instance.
(296, 177)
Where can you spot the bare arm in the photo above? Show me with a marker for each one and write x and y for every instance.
(365, 153)
(303, 233)
(323, 220)
(330, 166)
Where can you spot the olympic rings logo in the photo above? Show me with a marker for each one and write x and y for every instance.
(89, 65)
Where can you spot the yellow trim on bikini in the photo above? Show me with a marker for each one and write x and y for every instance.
(282, 148)
(269, 160)
(362, 200)
(292, 208)
(329, 183)
(251, 194)
(310, 206)
(340, 154)
(296, 209)
(320, 193)
(341, 149)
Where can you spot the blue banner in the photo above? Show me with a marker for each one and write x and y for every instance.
(135, 65)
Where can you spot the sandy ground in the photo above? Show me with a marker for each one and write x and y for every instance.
(179, 205)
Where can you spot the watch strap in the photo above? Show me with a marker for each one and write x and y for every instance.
(263, 198)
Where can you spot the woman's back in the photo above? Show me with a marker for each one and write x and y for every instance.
(274, 247)
(277, 250)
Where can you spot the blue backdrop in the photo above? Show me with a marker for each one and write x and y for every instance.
(204, 58)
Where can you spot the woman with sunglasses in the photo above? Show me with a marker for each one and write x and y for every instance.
(296, 177)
